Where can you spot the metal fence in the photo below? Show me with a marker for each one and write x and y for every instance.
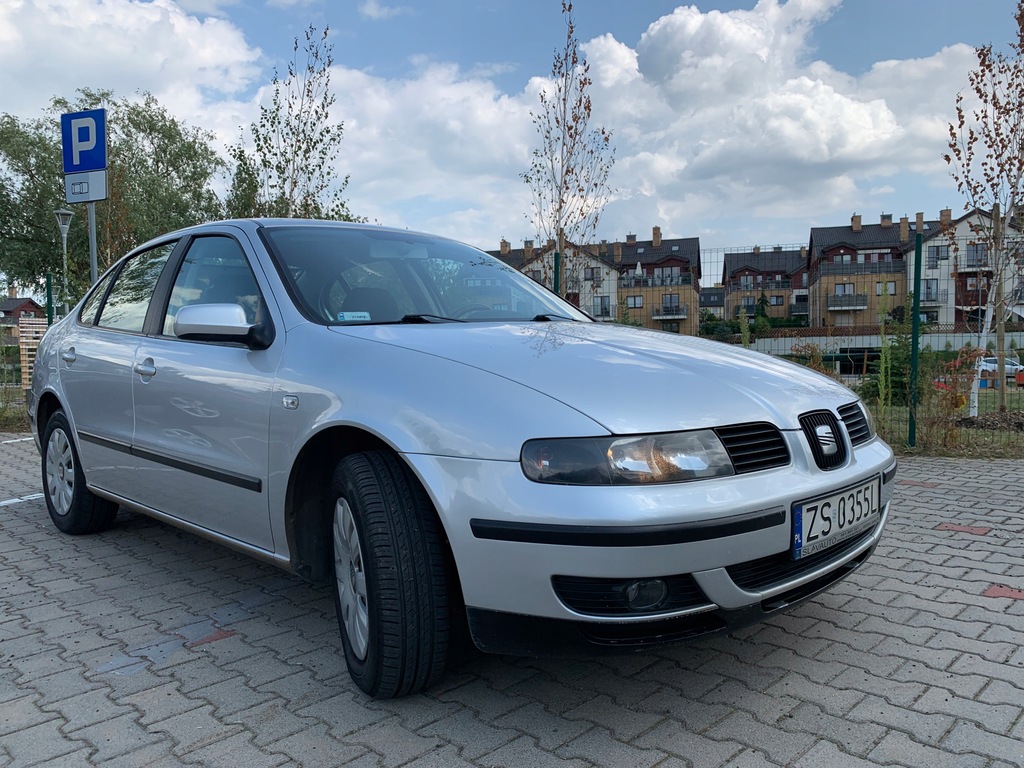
(854, 318)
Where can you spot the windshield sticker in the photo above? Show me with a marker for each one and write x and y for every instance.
(343, 316)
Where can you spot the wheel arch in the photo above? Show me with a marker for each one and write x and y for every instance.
(48, 404)
(308, 513)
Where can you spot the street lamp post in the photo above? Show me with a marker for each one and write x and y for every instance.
(64, 222)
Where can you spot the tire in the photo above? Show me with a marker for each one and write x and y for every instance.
(73, 508)
(390, 576)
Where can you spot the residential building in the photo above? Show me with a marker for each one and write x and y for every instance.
(957, 273)
(585, 280)
(656, 281)
(713, 300)
(858, 273)
(779, 275)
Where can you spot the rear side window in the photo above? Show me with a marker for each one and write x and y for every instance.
(128, 302)
(92, 304)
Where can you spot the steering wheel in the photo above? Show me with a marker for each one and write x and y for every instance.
(468, 309)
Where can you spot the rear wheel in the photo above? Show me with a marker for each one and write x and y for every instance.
(390, 581)
(73, 508)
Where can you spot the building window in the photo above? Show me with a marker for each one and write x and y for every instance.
(602, 306)
(670, 301)
(977, 254)
(635, 302)
(670, 326)
(666, 275)
(931, 289)
(937, 253)
(534, 274)
(775, 301)
(748, 301)
(845, 289)
(891, 288)
(746, 282)
(592, 273)
(803, 280)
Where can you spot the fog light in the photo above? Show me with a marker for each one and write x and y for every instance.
(646, 594)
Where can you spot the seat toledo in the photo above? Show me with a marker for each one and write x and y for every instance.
(449, 444)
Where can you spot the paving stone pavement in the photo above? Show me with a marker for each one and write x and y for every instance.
(146, 646)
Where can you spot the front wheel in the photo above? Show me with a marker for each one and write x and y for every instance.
(73, 508)
(390, 576)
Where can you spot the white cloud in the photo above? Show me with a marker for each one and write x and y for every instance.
(374, 9)
(53, 47)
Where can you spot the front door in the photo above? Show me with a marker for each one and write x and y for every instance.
(202, 408)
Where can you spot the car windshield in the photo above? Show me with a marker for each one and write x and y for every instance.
(350, 276)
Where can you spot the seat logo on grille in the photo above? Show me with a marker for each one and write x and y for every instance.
(827, 440)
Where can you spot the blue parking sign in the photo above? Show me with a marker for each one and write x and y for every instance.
(84, 140)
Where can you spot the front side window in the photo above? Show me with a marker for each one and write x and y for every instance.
(214, 271)
(126, 306)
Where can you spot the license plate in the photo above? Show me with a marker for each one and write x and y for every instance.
(827, 520)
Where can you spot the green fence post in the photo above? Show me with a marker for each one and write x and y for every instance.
(558, 273)
(49, 299)
(915, 343)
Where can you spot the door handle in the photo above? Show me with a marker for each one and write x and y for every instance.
(145, 368)
(69, 356)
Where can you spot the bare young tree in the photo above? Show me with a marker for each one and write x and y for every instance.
(986, 159)
(568, 174)
(291, 171)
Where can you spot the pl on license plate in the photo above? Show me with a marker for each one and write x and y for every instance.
(820, 523)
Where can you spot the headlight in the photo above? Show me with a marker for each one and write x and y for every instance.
(668, 458)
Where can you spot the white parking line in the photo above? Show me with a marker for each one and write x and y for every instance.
(30, 497)
(18, 440)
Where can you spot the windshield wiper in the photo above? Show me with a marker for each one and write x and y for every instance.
(549, 316)
(427, 318)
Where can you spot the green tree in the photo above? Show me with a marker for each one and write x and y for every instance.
(290, 170)
(160, 173)
(625, 317)
(986, 159)
(568, 174)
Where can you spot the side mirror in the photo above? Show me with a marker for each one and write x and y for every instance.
(220, 322)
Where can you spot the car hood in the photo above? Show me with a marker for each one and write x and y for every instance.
(629, 380)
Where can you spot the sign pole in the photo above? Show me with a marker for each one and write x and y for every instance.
(93, 271)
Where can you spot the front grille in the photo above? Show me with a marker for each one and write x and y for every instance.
(753, 447)
(607, 597)
(765, 572)
(821, 428)
(856, 423)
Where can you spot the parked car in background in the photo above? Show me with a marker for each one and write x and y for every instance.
(991, 365)
(450, 445)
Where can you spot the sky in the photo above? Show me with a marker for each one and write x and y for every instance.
(741, 122)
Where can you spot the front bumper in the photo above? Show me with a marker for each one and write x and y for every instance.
(731, 538)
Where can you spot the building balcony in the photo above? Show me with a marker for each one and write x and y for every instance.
(671, 312)
(765, 285)
(800, 308)
(649, 281)
(897, 267)
(848, 301)
(932, 298)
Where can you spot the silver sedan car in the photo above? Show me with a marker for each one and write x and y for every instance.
(449, 444)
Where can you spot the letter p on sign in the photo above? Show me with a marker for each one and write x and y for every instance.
(84, 141)
(83, 137)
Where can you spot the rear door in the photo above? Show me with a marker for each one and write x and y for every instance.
(96, 359)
